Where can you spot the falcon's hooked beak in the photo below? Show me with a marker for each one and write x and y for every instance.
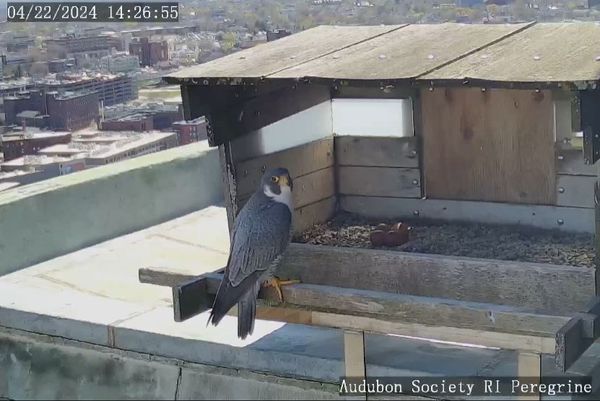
(283, 181)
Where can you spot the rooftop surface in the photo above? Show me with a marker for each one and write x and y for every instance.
(81, 294)
(530, 53)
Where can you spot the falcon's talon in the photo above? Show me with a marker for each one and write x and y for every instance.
(277, 283)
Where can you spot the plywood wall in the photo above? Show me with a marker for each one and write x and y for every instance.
(492, 145)
(378, 166)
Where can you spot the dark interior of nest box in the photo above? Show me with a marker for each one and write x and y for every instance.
(493, 182)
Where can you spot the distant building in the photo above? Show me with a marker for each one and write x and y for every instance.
(149, 52)
(19, 43)
(190, 131)
(61, 65)
(143, 118)
(134, 122)
(111, 89)
(73, 110)
(277, 34)
(15, 178)
(29, 143)
(25, 100)
(71, 44)
(47, 167)
(90, 150)
(68, 111)
(120, 62)
(132, 146)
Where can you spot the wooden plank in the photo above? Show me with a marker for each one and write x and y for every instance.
(376, 325)
(355, 364)
(571, 162)
(380, 181)
(271, 57)
(376, 151)
(315, 213)
(299, 160)
(545, 52)
(403, 54)
(163, 276)
(569, 219)
(495, 145)
(369, 92)
(529, 365)
(244, 117)
(442, 333)
(576, 191)
(228, 177)
(314, 187)
(388, 306)
(423, 310)
(545, 288)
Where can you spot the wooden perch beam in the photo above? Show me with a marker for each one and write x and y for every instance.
(304, 300)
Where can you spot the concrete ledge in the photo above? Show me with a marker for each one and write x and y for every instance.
(41, 367)
(54, 217)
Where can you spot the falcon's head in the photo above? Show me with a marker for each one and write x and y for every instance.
(276, 180)
(277, 184)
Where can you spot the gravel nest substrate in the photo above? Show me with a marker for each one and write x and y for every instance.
(462, 239)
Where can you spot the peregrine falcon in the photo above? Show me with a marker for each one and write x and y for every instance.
(261, 233)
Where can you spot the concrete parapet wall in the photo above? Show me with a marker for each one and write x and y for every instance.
(42, 367)
(60, 215)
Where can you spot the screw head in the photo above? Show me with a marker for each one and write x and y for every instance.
(560, 222)
(561, 190)
(415, 182)
(416, 212)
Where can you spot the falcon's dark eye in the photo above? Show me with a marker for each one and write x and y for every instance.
(275, 179)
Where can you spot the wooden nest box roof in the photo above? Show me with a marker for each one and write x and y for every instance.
(533, 53)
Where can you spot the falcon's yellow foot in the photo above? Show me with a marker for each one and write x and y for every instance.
(277, 283)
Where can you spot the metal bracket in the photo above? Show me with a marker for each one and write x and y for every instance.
(197, 295)
(577, 335)
(591, 146)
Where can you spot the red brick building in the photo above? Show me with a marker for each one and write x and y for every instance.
(190, 131)
(15, 146)
(72, 111)
(149, 52)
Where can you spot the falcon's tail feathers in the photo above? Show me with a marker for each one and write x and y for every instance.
(221, 305)
(228, 296)
(246, 315)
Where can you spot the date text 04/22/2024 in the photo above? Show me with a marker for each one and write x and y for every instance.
(92, 12)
